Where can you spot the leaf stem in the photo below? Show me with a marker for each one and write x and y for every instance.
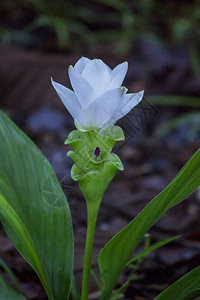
(92, 213)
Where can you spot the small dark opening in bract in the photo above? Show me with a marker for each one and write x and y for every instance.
(97, 152)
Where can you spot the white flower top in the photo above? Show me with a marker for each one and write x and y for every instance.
(98, 100)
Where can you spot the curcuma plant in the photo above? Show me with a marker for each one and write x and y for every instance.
(35, 213)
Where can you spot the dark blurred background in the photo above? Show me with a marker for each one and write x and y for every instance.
(161, 42)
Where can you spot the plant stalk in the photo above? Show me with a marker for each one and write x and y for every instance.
(92, 213)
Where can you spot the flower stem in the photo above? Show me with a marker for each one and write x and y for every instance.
(92, 213)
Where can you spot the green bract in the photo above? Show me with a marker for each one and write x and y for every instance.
(92, 172)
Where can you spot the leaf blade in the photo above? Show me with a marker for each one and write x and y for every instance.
(185, 288)
(7, 293)
(34, 210)
(187, 180)
(151, 248)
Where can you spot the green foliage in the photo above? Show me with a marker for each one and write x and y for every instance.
(191, 119)
(175, 100)
(149, 249)
(75, 294)
(116, 21)
(113, 258)
(34, 210)
(136, 261)
(11, 275)
(7, 293)
(20, 36)
(185, 26)
(36, 217)
(186, 288)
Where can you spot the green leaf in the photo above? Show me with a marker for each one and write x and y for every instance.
(34, 210)
(193, 295)
(174, 100)
(11, 275)
(7, 293)
(146, 251)
(114, 256)
(186, 288)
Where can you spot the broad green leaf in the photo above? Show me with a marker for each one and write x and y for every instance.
(146, 251)
(186, 288)
(7, 293)
(34, 210)
(114, 256)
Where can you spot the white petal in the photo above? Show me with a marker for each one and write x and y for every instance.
(81, 63)
(82, 88)
(104, 106)
(69, 99)
(109, 69)
(117, 75)
(98, 75)
(87, 122)
(129, 101)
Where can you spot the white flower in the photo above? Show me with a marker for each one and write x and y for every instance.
(98, 100)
